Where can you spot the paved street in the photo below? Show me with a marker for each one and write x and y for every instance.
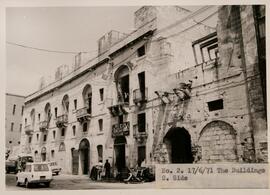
(73, 182)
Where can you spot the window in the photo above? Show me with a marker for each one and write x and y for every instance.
(22, 110)
(12, 126)
(41, 167)
(141, 78)
(100, 124)
(74, 130)
(10, 142)
(141, 122)
(45, 138)
(38, 117)
(29, 139)
(55, 112)
(14, 109)
(141, 51)
(84, 127)
(100, 153)
(37, 137)
(75, 104)
(63, 132)
(52, 153)
(20, 127)
(19, 142)
(25, 121)
(101, 94)
(215, 105)
(53, 134)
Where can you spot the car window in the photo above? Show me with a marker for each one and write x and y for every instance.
(41, 167)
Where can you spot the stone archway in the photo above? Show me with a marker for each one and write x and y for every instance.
(178, 144)
(84, 150)
(218, 143)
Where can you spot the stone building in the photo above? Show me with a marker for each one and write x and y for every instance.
(13, 120)
(173, 91)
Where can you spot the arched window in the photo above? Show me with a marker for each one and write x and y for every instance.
(65, 104)
(87, 98)
(62, 147)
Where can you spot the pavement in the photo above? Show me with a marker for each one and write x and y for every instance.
(76, 182)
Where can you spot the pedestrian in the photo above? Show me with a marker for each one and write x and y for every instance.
(107, 168)
(99, 167)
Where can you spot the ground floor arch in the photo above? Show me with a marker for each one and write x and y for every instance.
(84, 150)
(218, 143)
(178, 144)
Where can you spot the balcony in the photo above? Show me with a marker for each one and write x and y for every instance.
(43, 125)
(140, 96)
(120, 129)
(28, 130)
(140, 136)
(62, 121)
(118, 109)
(83, 114)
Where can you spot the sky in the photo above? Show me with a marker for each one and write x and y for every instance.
(72, 29)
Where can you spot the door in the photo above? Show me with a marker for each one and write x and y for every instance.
(120, 156)
(75, 161)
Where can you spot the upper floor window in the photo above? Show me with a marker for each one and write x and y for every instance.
(14, 109)
(53, 134)
(215, 105)
(100, 124)
(55, 112)
(22, 110)
(39, 117)
(63, 132)
(141, 51)
(29, 139)
(85, 127)
(25, 121)
(65, 104)
(122, 84)
(12, 126)
(74, 130)
(101, 94)
(141, 122)
(37, 137)
(45, 138)
(75, 104)
(20, 127)
(87, 98)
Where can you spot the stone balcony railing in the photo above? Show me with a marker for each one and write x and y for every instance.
(62, 121)
(43, 125)
(83, 114)
(121, 129)
(28, 129)
(140, 96)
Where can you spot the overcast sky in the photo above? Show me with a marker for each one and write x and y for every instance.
(66, 29)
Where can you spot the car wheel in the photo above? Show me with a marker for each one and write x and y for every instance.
(47, 184)
(27, 184)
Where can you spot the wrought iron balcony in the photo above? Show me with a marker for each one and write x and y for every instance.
(140, 96)
(120, 129)
(43, 125)
(83, 114)
(118, 109)
(28, 130)
(62, 121)
(140, 135)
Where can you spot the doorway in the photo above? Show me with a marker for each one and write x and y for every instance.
(120, 152)
(178, 143)
(84, 149)
(75, 161)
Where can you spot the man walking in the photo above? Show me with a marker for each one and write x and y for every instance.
(107, 167)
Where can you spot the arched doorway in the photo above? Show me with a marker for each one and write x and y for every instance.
(218, 142)
(43, 154)
(120, 152)
(84, 149)
(178, 143)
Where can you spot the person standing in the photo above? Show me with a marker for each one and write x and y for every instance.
(107, 167)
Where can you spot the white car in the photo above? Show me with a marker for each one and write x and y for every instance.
(35, 173)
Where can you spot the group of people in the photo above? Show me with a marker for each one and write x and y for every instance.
(99, 169)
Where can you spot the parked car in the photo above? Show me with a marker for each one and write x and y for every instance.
(11, 166)
(54, 167)
(35, 173)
